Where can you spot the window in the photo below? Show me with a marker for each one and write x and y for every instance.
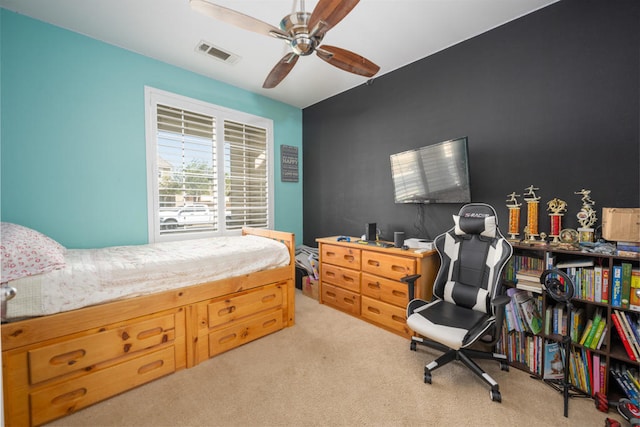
(209, 169)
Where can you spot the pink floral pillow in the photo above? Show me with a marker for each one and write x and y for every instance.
(26, 252)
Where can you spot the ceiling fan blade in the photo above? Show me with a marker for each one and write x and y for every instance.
(280, 71)
(330, 12)
(238, 19)
(347, 60)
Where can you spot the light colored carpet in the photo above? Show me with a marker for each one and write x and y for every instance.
(332, 369)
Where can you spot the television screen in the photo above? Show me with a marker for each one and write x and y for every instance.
(437, 173)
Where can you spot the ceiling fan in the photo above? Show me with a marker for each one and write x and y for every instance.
(303, 32)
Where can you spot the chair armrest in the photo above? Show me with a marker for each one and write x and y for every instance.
(499, 303)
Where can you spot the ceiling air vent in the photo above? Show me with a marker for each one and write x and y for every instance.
(216, 52)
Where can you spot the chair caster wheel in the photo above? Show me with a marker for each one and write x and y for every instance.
(414, 346)
(504, 366)
(427, 377)
(496, 396)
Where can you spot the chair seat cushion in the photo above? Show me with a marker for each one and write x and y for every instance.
(446, 323)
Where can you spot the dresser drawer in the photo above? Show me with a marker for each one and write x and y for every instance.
(342, 256)
(387, 290)
(52, 402)
(386, 315)
(341, 299)
(226, 310)
(245, 331)
(62, 358)
(390, 266)
(340, 276)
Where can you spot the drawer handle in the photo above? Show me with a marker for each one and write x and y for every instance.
(399, 268)
(374, 285)
(329, 254)
(373, 263)
(72, 395)
(330, 274)
(349, 258)
(347, 278)
(149, 333)
(373, 310)
(399, 293)
(268, 298)
(150, 367)
(226, 311)
(227, 338)
(331, 294)
(269, 323)
(398, 318)
(69, 358)
(349, 300)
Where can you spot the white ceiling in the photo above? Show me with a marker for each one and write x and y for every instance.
(391, 33)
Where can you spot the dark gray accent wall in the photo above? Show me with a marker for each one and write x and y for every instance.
(551, 99)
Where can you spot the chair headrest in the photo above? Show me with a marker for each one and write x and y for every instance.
(476, 218)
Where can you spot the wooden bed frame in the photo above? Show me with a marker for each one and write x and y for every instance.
(55, 365)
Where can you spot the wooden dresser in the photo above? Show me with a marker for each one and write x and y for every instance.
(364, 280)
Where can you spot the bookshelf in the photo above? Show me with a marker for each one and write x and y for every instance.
(604, 357)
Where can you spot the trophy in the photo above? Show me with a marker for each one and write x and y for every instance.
(514, 215)
(557, 208)
(586, 217)
(533, 203)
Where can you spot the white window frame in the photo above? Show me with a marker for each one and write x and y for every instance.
(153, 97)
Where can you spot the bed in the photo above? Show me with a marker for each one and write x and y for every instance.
(87, 343)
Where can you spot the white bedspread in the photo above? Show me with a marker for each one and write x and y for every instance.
(93, 276)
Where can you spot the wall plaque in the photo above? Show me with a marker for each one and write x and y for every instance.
(288, 163)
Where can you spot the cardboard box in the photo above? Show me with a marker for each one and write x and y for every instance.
(310, 287)
(621, 224)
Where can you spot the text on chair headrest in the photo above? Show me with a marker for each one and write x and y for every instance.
(484, 225)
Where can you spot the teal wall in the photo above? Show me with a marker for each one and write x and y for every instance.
(73, 137)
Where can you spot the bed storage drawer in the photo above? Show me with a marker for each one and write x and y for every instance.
(386, 315)
(244, 332)
(341, 299)
(227, 310)
(342, 256)
(48, 403)
(390, 266)
(343, 277)
(80, 353)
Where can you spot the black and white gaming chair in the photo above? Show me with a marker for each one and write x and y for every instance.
(468, 301)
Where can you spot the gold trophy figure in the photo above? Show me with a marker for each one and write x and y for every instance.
(557, 208)
(533, 203)
(586, 217)
(514, 215)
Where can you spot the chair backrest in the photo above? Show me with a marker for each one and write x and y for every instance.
(473, 254)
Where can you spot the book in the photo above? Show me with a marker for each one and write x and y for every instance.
(529, 309)
(616, 286)
(586, 332)
(577, 324)
(625, 386)
(605, 285)
(634, 297)
(626, 284)
(597, 288)
(623, 337)
(553, 363)
(596, 337)
(633, 342)
(597, 318)
(602, 337)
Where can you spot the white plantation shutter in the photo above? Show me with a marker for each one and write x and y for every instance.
(247, 190)
(187, 166)
(210, 170)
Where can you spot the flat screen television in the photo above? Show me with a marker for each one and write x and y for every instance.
(437, 173)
